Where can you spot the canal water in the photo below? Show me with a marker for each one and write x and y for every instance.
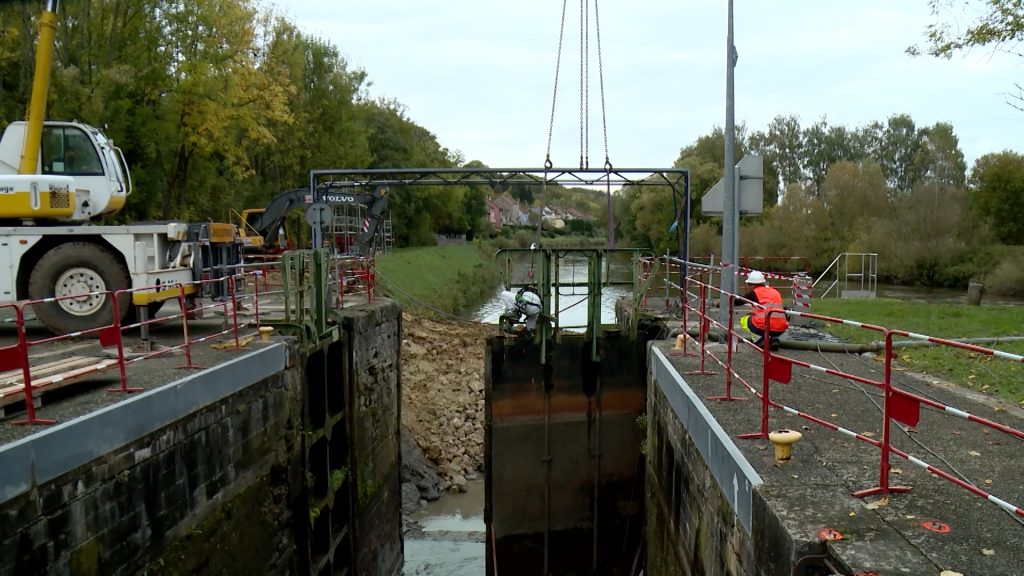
(941, 295)
(449, 536)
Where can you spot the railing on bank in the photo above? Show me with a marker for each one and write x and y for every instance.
(246, 301)
(898, 404)
(850, 275)
(663, 295)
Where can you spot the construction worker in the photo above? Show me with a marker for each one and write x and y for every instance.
(525, 303)
(765, 297)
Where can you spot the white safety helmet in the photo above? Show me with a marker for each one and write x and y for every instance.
(755, 277)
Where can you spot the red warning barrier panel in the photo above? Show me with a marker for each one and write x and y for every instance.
(56, 374)
(354, 280)
(13, 359)
(23, 381)
(905, 407)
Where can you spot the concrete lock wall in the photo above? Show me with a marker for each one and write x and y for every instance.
(563, 478)
(283, 461)
(705, 514)
(137, 483)
(374, 364)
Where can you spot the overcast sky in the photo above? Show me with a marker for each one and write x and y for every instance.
(479, 74)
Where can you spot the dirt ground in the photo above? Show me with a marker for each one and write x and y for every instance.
(443, 393)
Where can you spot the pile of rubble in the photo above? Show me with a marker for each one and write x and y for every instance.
(442, 402)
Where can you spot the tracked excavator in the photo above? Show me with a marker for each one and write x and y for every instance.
(57, 177)
(260, 227)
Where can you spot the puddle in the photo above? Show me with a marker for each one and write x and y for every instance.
(443, 558)
(450, 540)
(453, 523)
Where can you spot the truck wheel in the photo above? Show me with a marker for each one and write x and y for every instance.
(78, 269)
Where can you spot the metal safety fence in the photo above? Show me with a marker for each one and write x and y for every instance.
(715, 325)
(270, 292)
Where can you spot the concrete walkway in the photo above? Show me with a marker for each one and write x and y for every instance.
(937, 525)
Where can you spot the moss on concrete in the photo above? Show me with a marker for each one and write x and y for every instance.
(85, 560)
(242, 536)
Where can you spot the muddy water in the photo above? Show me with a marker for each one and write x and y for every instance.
(919, 294)
(447, 537)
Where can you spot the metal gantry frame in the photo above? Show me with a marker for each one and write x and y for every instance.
(676, 179)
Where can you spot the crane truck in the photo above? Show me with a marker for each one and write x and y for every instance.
(57, 177)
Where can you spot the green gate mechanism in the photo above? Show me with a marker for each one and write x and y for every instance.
(553, 273)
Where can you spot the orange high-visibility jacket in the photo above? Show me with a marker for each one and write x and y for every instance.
(769, 297)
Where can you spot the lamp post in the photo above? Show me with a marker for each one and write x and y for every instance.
(730, 204)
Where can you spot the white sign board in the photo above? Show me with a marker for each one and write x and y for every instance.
(751, 185)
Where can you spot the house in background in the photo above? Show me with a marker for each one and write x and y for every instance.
(509, 209)
(493, 213)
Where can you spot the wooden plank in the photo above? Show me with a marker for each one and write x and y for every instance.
(14, 377)
(74, 369)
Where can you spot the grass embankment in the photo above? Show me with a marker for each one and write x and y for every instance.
(999, 377)
(433, 280)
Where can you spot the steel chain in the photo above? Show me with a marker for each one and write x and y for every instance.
(554, 96)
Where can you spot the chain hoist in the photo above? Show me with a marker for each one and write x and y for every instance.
(584, 89)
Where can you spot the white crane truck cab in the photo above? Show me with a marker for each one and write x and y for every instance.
(99, 181)
(58, 177)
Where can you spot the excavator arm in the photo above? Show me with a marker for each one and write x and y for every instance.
(269, 222)
(376, 204)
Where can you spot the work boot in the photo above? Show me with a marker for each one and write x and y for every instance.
(775, 346)
(759, 342)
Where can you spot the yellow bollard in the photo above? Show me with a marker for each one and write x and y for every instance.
(783, 441)
(265, 332)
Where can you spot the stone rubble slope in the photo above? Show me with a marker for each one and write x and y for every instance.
(443, 393)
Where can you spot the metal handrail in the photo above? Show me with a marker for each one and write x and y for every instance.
(871, 275)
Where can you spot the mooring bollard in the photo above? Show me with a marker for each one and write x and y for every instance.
(974, 291)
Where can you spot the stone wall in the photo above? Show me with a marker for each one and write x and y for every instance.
(705, 514)
(283, 461)
(157, 481)
(374, 333)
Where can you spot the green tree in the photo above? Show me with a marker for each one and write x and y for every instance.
(418, 212)
(798, 226)
(329, 125)
(998, 24)
(824, 145)
(900, 142)
(854, 195)
(782, 148)
(18, 26)
(219, 99)
(997, 194)
(652, 214)
(939, 159)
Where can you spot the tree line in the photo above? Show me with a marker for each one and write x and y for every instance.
(222, 104)
(893, 188)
